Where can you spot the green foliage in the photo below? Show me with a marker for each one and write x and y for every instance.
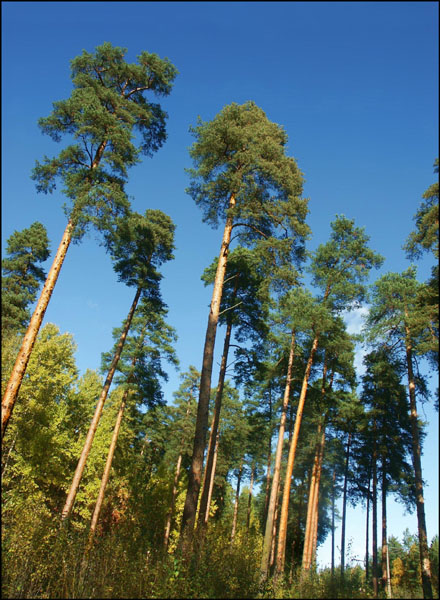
(22, 275)
(425, 236)
(106, 109)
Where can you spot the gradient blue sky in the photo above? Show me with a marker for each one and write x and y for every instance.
(355, 84)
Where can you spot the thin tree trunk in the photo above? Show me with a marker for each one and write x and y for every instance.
(316, 501)
(333, 525)
(306, 559)
(16, 377)
(374, 499)
(214, 426)
(367, 566)
(269, 459)
(98, 411)
(344, 506)
(312, 505)
(385, 579)
(190, 508)
(274, 533)
(425, 563)
(248, 517)
(237, 496)
(104, 480)
(211, 483)
(268, 535)
(173, 500)
(290, 463)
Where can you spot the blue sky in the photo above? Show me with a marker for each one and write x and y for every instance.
(355, 85)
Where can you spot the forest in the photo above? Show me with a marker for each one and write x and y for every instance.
(111, 491)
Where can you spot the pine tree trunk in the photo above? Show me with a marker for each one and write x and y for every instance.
(344, 506)
(214, 426)
(311, 531)
(237, 496)
(269, 460)
(306, 560)
(268, 535)
(425, 563)
(191, 501)
(14, 383)
(374, 499)
(211, 483)
(251, 485)
(174, 491)
(333, 525)
(290, 463)
(173, 500)
(274, 533)
(367, 566)
(385, 577)
(98, 411)
(316, 501)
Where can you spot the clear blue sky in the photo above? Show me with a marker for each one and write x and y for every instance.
(354, 84)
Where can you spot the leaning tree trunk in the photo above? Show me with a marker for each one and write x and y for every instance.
(290, 463)
(268, 535)
(211, 483)
(194, 478)
(344, 506)
(425, 563)
(214, 427)
(98, 411)
(14, 383)
(104, 481)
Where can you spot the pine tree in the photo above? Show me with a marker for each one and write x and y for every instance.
(106, 106)
(139, 246)
(243, 177)
(396, 319)
(22, 275)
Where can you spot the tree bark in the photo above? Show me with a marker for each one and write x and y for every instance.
(333, 525)
(367, 566)
(251, 485)
(98, 411)
(385, 575)
(173, 500)
(306, 559)
(190, 508)
(21, 362)
(316, 501)
(374, 500)
(425, 563)
(290, 463)
(268, 535)
(344, 505)
(211, 483)
(237, 496)
(214, 427)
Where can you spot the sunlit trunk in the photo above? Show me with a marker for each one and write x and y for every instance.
(194, 477)
(290, 464)
(98, 411)
(268, 535)
(21, 362)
